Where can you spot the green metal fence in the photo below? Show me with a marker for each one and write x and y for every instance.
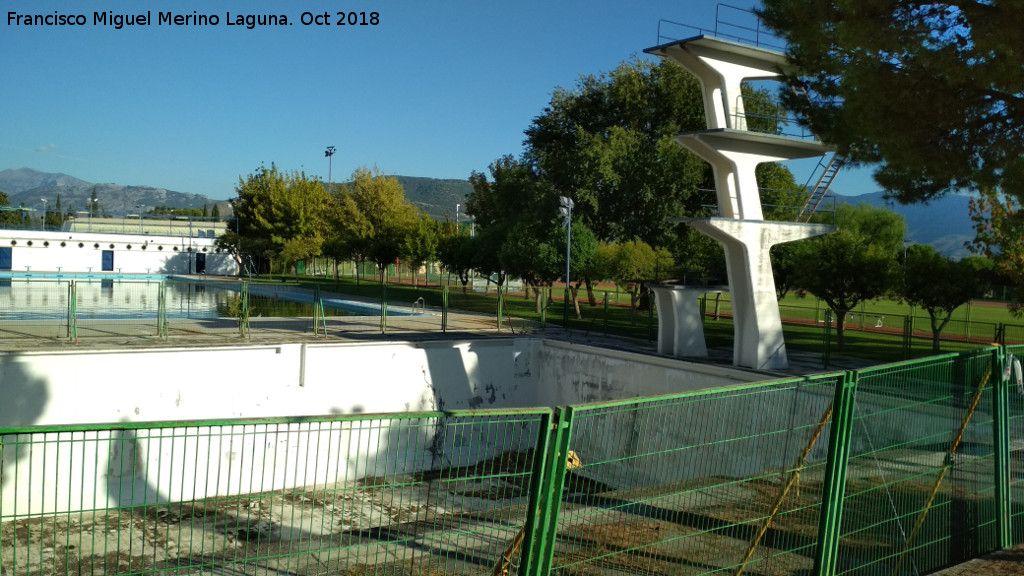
(899, 469)
(920, 480)
(714, 482)
(430, 493)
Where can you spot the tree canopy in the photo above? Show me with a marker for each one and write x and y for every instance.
(939, 285)
(853, 264)
(931, 92)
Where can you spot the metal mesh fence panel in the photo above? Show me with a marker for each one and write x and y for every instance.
(33, 308)
(1015, 425)
(113, 308)
(417, 494)
(718, 482)
(1012, 334)
(920, 484)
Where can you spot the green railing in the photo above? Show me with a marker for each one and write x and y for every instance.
(899, 469)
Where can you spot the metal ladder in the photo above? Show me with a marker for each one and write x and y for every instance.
(829, 171)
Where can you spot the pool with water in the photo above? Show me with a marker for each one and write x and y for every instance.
(112, 298)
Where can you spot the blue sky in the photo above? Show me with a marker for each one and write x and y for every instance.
(435, 89)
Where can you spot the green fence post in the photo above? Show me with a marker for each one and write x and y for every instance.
(383, 308)
(828, 338)
(650, 314)
(551, 491)
(161, 314)
(543, 308)
(1001, 434)
(243, 311)
(535, 514)
(444, 308)
(908, 336)
(606, 313)
(319, 317)
(834, 484)
(499, 307)
(72, 312)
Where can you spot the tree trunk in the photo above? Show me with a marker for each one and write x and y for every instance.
(575, 300)
(840, 323)
(937, 327)
(591, 297)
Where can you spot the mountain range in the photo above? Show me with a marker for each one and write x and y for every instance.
(25, 186)
(943, 223)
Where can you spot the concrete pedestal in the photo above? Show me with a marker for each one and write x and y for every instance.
(680, 324)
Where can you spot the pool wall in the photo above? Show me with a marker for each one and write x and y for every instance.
(287, 380)
(66, 252)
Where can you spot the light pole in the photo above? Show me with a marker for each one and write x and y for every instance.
(330, 157)
(566, 211)
(44, 213)
(141, 208)
(92, 208)
(459, 228)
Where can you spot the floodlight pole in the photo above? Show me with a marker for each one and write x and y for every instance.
(330, 157)
(141, 208)
(566, 211)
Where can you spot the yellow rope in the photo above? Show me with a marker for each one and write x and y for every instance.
(572, 461)
(794, 478)
(942, 473)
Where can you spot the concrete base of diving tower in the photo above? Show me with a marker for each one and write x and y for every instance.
(757, 325)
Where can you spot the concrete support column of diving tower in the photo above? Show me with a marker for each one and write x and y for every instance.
(734, 153)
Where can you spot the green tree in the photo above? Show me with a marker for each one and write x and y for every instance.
(215, 212)
(375, 220)
(455, 252)
(929, 93)
(856, 263)
(608, 143)
(940, 285)
(631, 264)
(8, 215)
(421, 244)
(274, 208)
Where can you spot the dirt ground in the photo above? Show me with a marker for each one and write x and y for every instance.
(1009, 562)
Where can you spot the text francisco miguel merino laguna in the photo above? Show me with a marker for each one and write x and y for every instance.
(119, 21)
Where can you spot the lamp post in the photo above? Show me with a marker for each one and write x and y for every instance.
(141, 208)
(43, 221)
(566, 211)
(459, 228)
(329, 153)
(92, 208)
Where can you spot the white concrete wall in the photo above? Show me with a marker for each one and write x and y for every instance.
(148, 466)
(68, 252)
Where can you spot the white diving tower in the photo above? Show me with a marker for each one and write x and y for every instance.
(734, 152)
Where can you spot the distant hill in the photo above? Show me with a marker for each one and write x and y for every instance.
(944, 223)
(27, 186)
(437, 197)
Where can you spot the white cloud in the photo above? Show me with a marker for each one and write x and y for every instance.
(47, 148)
